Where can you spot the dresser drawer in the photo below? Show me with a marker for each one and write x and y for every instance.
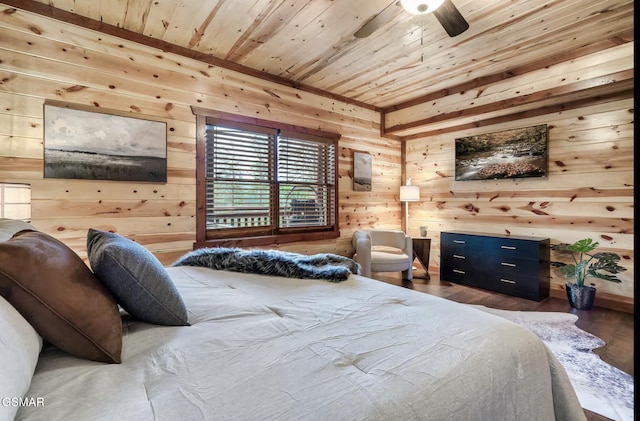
(458, 257)
(456, 274)
(513, 247)
(516, 266)
(521, 286)
(460, 243)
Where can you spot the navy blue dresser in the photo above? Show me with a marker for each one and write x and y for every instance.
(512, 265)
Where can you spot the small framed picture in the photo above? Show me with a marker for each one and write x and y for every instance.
(361, 171)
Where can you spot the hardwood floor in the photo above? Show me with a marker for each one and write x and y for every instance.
(613, 327)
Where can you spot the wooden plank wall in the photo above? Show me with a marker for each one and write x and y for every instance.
(44, 59)
(588, 191)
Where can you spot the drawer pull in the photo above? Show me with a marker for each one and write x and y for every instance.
(508, 247)
(508, 281)
(512, 265)
(459, 242)
(462, 272)
(457, 256)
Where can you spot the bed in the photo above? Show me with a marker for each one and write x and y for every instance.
(261, 347)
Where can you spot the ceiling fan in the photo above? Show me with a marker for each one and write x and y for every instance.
(444, 10)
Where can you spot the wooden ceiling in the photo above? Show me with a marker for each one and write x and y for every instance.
(411, 60)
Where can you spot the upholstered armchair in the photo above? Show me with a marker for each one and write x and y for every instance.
(383, 251)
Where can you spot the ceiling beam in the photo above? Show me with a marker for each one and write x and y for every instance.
(615, 82)
(617, 39)
(599, 99)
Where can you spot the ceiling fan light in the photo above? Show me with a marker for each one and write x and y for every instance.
(420, 7)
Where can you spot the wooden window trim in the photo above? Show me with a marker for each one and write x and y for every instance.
(203, 112)
(304, 234)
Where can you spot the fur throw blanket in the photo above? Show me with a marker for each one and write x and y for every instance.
(331, 267)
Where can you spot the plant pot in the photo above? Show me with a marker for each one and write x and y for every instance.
(580, 298)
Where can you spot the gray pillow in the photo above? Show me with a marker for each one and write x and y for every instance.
(135, 277)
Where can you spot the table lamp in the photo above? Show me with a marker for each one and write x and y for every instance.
(408, 193)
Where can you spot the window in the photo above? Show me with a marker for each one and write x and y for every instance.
(262, 183)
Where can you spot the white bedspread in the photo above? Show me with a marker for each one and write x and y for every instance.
(266, 348)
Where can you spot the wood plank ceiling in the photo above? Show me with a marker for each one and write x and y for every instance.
(403, 68)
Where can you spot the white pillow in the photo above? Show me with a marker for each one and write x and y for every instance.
(8, 227)
(20, 346)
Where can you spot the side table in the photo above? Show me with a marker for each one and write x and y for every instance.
(421, 250)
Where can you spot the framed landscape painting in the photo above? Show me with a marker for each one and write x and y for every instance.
(514, 153)
(80, 144)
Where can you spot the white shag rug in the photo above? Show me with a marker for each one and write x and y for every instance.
(601, 388)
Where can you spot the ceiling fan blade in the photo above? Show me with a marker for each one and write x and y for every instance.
(378, 21)
(450, 18)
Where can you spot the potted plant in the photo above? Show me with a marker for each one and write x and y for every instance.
(586, 264)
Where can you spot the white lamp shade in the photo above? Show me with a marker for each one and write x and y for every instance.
(15, 201)
(409, 193)
(420, 7)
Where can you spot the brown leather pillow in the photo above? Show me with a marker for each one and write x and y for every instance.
(58, 294)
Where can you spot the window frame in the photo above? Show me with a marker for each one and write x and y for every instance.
(253, 237)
